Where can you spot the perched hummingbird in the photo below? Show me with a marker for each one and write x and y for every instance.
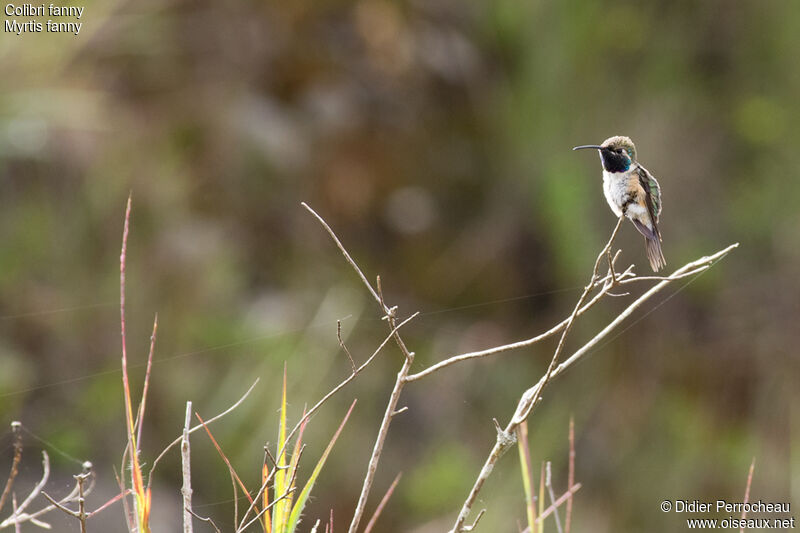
(632, 191)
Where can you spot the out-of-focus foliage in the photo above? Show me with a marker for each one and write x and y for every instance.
(435, 137)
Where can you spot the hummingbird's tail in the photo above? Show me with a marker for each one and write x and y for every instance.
(654, 254)
(652, 239)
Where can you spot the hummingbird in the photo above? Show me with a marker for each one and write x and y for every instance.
(632, 191)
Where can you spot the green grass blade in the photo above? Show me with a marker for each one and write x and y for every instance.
(527, 479)
(541, 501)
(281, 510)
(294, 517)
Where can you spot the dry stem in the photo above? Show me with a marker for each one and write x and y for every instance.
(186, 470)
(12, 475)
(747, 492)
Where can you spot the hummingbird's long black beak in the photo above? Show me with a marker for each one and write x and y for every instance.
(595, 146)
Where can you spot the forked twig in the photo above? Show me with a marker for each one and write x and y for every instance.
(390, 315)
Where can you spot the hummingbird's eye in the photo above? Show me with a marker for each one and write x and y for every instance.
(618, 150)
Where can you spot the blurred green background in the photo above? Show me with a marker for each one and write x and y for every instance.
(435, 138)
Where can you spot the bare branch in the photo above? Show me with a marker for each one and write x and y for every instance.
(531, 397)
(504, 348)
(704, 262)
(186, 471)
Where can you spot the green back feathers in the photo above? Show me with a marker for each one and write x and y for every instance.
(651, 187)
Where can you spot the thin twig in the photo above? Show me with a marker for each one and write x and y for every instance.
(80, 514)
(347, 256)
(343, 345)
(106, 505)
(571, 474)
(264, 485)
(382, 504)
(559, 502)
(567, 496)
(504, 348)
(17, 527)
(747, 493)
(205, 519)
(186, 471)
(286, 494)
(123, 494)
(549, 484)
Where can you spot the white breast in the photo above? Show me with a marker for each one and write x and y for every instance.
(615, 189)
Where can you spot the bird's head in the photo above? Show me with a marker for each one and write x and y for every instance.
(617, 153)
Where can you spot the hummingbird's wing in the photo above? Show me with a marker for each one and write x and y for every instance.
(652, 193)
(652, 198)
